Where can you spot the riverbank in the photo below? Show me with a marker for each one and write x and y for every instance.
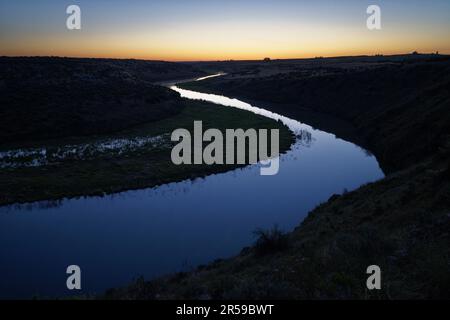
(99, 170)
(91, 127)
(400, 223)
(378, 100)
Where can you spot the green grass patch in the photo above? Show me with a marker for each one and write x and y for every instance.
(112, 172)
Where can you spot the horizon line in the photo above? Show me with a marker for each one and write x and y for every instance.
(229, 60)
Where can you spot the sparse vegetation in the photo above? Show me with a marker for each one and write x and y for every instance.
(400, 99)
(65, 105)
(400, 223)
(47, 98)
(270, 241)
(144, 167)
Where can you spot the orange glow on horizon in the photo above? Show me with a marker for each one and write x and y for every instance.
(217, 44)
(203, 30)
(192, 55)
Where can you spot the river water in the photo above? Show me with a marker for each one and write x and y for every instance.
(177, 226)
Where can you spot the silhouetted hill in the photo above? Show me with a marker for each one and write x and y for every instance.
(44, 98)
(400, 107)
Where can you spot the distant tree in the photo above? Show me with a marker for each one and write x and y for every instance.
(267, 59)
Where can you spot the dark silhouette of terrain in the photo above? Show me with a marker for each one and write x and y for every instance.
(44, 98)
(400, 106)
(79, 127)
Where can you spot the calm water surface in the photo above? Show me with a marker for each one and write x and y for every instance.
(177, 226)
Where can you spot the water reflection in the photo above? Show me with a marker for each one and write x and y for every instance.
(160, 230)
(304, 138)
(295, 126)
(39, 205)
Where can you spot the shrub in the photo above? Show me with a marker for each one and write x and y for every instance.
(270, 241)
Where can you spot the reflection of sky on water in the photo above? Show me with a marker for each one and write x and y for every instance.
(165, 229)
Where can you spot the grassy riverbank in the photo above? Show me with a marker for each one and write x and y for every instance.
(386, 102)
(78, 127)
(113, 171)
(400, 224)
(400, 108)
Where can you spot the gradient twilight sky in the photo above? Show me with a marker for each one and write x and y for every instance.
(218, 30)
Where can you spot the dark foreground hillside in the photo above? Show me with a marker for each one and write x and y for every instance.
(42, 98)
(400, 107)
(401, 223)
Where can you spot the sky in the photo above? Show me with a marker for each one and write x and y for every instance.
(186, 30)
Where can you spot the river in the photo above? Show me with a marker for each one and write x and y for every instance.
(177, 226)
